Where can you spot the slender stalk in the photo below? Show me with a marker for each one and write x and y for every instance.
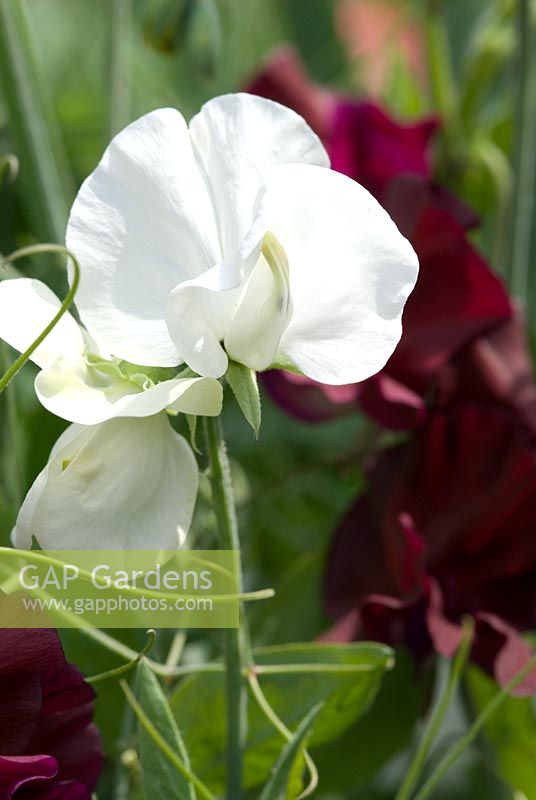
(120, 27)
(279, 725)
(436, 720)
(30, 251)
(235, 644)
(11, 434)
(525, 172)
(462, 744)
(114, 673)
(46, 179)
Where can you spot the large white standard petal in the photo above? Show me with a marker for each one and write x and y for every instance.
(27, 306)
(123, 485)
(240, 139)
(350, 271)
(141, 223)
(69, 394)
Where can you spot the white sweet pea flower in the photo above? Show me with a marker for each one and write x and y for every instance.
(231, 238)
(126, 484)
(77, 381)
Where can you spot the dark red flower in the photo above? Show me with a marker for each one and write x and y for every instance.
(445, 530)
(50, 749)
(457, 298)
(494, 370)
(372, 148)
(362, 140)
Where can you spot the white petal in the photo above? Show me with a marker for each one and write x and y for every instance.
(126, 484)
(142, 223)
(26, 308)
(200, 311)
(351, 272)
(197, 316)
(264, 310)
(70, 394)
(240, 138)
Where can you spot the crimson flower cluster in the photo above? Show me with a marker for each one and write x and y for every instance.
(446, 527)
(49, 747)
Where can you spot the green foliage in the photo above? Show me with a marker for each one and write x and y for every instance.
(311, 24)
(345, 678)
(282, 784)
(243, 383)
(510, 734)
(160, 779)
(354, 758)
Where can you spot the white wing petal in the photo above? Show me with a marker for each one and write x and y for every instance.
(26, 308)
(126, 484)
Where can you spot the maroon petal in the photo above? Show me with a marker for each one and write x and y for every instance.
(394, 621)
(456, 299)
(391, 403)
(501, 651)
(356, 564)
(445, 635)
(469, 481)
(66, 790)
(308, 400)
(373, 148)
(65, 729)
(18, 771)
(495, 370)
(25, 654)
(346, 629)
(31, 650)
(19, 711)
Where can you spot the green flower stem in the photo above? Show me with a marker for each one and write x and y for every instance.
(31, 251)
(235, 639)
(525, 168)
(462, 744)
(436, 720)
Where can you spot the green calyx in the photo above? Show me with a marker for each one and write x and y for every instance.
(119, 370)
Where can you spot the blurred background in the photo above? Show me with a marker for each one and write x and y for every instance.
(75, 72)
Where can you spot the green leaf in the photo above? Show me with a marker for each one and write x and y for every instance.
(293, 678)
(511, 732)
(383, 731)
(160, 779)
(282, 776)
(243, 382)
